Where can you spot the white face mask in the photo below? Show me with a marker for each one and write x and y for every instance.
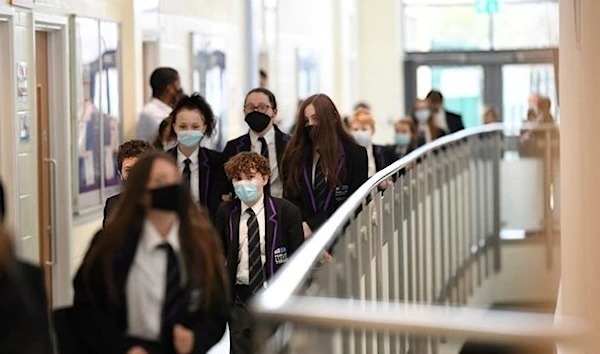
(423, 115)
(363, 137)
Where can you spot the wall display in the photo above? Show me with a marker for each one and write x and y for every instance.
(22, 91)
(24, 127)
(210, 80)
(308, 73)
(97, 105)
(23, 3)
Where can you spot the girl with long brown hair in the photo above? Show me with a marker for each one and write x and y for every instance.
(322, 164)
(153, 280)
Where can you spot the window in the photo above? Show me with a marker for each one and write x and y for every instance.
(445, 25)
(96, 102)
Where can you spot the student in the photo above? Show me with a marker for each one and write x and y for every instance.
(163, 139)
(260, 233)
(322, 164)
(426, 122)
(129, 153)
(362, 127)
(264, 137)
(405, 138)
(447, 121)
(166, 91)
(24, 325)
(191, 121)
(153, 280)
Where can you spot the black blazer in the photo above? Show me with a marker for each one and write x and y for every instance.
(99, 323)
(110, 206)
(353, 166)
(24, 326)
(212, 178)
(383, 157)
(283, 228)
(454, 122)
(242, 143)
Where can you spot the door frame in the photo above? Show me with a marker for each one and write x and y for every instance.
(59, 92)
(490, 61)
(8, 127)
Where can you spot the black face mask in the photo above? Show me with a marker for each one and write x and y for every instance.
(170, 198)
(258, 121)
(310, 132)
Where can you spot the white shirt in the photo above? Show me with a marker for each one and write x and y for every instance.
(424, 129)
(195, 175)
(256, 146)
(371, 159)
(150, 117)
(316, 158)
(442, 122)
(243, 271)
(145, 286)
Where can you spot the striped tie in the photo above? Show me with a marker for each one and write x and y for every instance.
(255, 268)
(187, 173)
(264, 151)
(173, 280)
(320, 186)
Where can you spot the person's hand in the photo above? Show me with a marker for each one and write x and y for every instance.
(383, 185)
(325, 257)
(183, 339)
(137, 350)
(226, 197)
(306, 229)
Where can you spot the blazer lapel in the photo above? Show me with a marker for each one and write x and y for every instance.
(204, 180)
(280, 142)
(307, 176)
(271, 230)
(233, 232)
(338, 173)
(243, 144)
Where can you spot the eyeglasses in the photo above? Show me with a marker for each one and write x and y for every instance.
(262, 108)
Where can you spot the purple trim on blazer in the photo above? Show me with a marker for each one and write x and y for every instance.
(339, 169)
(205, 164)
(310, 189)
(275, 233)
(235, 208)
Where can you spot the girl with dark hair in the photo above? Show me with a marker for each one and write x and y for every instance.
(164, 139)
(202, 168)
(322, 164)
(426, 122)
(153, 280)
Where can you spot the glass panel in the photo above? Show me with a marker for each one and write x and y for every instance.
(465, 98)
(210, 80)
(526, 25)
(88, 117)
(110, 104)
(521, 80)
(460, 27)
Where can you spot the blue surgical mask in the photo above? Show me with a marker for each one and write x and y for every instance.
(247, 191)
(402, 139)
(423, 115)
(363, 137)
(190, 138)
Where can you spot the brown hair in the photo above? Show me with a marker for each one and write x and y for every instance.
(244, 162)
(431, 123)
(200, 248)
(364, 117)
(165, 125)
(327, 137)
(132, 148)
(195, 102)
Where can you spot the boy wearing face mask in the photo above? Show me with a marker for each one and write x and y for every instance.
(264, 137)
(362, 127)
(259, 234)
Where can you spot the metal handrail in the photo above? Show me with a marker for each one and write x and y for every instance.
(296, 271)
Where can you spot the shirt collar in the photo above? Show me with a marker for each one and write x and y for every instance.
(269, 136)
(193, 157)
(151, 237)
(258, 206)
(163, 107)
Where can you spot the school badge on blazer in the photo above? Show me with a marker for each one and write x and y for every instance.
(341, 193)
(195, 299)
(281, 256)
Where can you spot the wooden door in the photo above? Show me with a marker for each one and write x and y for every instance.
(44, 168)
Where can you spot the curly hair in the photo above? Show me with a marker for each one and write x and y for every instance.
(244, 162)
(132, 148)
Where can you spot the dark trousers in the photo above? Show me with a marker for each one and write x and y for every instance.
(241, 323)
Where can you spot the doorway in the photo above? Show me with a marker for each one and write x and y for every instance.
(46, 166)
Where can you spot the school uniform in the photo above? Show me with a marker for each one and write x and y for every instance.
(353, 172)
(109, 206)
(150, 296)
(380, 157)
(279, 226)
(206, 176)
(276, 141)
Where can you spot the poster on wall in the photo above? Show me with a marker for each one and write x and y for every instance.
(308, 73)
(23, 3)
(22, 82)
(24, 127)
(210, 80)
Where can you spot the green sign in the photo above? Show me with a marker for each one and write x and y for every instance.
(487, 6)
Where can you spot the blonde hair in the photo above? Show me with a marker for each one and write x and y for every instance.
(408, 121)
(364, 117)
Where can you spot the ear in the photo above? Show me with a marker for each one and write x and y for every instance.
(275, 111)
(265, 180)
